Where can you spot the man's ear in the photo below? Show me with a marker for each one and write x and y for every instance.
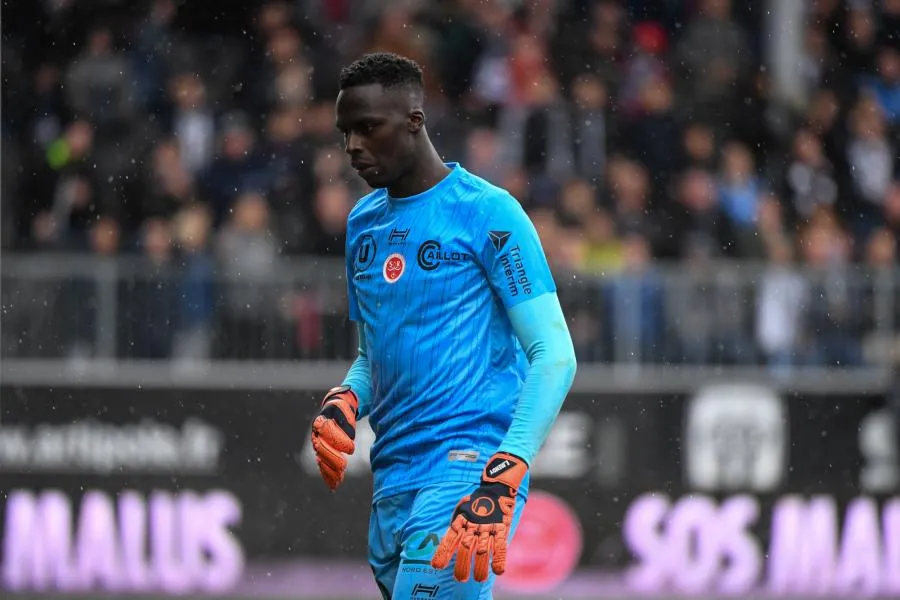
(416, 120)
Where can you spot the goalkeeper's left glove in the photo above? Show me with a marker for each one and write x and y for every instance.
(482, 520)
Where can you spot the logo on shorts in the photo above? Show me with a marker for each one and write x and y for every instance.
(421, 545)
(420, 590)
(483, 507)
(393, 269)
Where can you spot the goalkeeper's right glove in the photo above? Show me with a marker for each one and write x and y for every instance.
(333, 432)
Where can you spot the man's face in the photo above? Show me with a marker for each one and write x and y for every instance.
(378, 128)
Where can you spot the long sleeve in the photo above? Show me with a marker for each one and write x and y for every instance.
(359, 376)
(541, 328)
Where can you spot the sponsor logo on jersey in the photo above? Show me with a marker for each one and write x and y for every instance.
(431, 255)
(394, 267)
(517, 281)
(499, 239)
(398, 236)
(365, 253)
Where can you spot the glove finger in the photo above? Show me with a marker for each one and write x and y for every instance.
(328, 454)
(499, 547)
(483, 546)
(331, 432)
(332, 464)
(449, 543)
(332, 477)
(464, 553)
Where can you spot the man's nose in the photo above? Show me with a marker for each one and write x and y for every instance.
(352, 144)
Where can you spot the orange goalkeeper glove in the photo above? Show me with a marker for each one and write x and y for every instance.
(333, 432)
(482, 520)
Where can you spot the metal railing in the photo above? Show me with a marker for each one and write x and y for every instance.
(67, 307)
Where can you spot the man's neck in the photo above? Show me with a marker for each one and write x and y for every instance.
(427, 173)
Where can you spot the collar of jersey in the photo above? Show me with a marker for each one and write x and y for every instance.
(436, 189)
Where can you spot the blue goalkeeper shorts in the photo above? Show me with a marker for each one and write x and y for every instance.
(405, 530)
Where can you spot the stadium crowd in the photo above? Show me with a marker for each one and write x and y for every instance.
(635, 133)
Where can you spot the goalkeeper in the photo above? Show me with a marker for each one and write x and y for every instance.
(464, 354)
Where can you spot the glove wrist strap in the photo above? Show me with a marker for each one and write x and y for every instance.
(506, 469)
(345, 393)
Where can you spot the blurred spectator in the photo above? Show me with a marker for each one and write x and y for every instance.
(833, 316)
(332, 207)
(644, 65)
(546, 132)
(809, 177)
(248, 257)
(629, 199)
(712, 56)
(83, 324)
(779, 308)
(870, 157)
(99, 81)
(168, 185)
(193, 125)
(151, 295)
(881, 310)
(603, 249)
(591, 45)
(60, 191)
(151, 54)
(892, 208)
(589, 127)
(708, 311)
(655, 132)
(50, 111)
(483, 156)
(193, 229)
(239, 167)
(885, 86)
(633, 306)
(860, 36)
(695, 220)
(817, 59)
(738, 187)
(698, 146)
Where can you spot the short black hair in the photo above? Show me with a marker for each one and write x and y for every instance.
(384, 68)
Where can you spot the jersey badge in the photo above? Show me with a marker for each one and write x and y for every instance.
(394, 267)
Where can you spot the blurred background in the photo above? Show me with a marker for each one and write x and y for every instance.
(717, 187)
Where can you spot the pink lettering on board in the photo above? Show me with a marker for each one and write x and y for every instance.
(37, 542)
(694, 545)
(859, 562)
(133, 528)
(697, 546)
(803, 545)
(642, 533)
(173, 543)
(226, 563)
(739, 547)
(169, 568)
(890, 523)
(96, 545)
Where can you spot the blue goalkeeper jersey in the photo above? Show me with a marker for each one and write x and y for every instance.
(430, 279)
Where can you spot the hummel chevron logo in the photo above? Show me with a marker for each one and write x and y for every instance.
(498, 239)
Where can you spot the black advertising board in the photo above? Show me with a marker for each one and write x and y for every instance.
(192, 490)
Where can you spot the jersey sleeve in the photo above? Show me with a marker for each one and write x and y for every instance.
(512, 254)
